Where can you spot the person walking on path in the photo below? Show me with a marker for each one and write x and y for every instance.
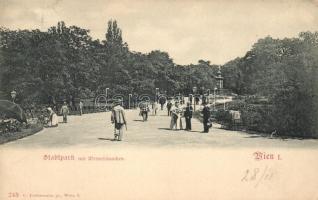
(154, 108)
(182, 99)
(65, 111)
(197, 100)
(169, 105)
(190, 98)
(188, 115)
(135, 100)
(204, 99)
(162, 102)
(144, 109)
(81, 105)
(206, 118)
(119, 120)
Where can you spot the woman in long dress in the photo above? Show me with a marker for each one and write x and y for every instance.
(53, 119)
(176, 113)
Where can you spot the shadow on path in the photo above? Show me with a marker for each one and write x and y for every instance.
(195, 131)
(109, 139)
(168, 129)
(266, 136)
(138, 120)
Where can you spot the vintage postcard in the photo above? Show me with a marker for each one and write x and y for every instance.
(158, 99)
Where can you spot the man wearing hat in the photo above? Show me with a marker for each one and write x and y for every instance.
(188, 115)
(206, 117)
(169, 106)
(144, 109)
(118, 119)
(65, 111)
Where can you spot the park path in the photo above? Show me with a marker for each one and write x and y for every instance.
(95, 130)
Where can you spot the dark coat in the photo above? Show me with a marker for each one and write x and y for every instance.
(206, 113)
(162, 100)
(188, 112)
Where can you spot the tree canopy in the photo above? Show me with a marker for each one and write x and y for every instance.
(285, 71)
(65, 61)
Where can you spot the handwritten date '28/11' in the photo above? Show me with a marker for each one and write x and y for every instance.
(258, 175)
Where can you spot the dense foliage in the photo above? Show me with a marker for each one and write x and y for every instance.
(66, 62)
(286, 72)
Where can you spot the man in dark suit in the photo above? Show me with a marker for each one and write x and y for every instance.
(206, 116)
(162, 102)
(188, 115)
(169, 105)
(197, 99)
(191, 98)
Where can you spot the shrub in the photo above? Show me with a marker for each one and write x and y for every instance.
(255, 115)
(223, 117)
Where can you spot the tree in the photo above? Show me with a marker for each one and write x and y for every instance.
(285, 71)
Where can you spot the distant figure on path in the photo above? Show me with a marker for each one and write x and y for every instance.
(197, 99)
(119, 120)
(53, 120)
(190, 98)
(81, 105)
(144, 109)
(169, 105)
(204, 99)
(65, 111)
(162, 102)
(182, 99)
(188, 115)
(206, 117)
(154, 108)
(135, 100)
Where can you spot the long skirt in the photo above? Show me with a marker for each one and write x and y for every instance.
(176, 122)
(54, 120)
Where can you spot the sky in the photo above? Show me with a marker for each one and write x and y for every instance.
(189, 30)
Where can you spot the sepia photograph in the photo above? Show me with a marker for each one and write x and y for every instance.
(167, 99)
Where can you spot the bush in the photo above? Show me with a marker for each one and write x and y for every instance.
(258, 118)
(285, 114)
(296, 113)
(223, 117)
(255, 116)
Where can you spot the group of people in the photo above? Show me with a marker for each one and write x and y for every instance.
(52, 116)
(176, 112)
(64, 111)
